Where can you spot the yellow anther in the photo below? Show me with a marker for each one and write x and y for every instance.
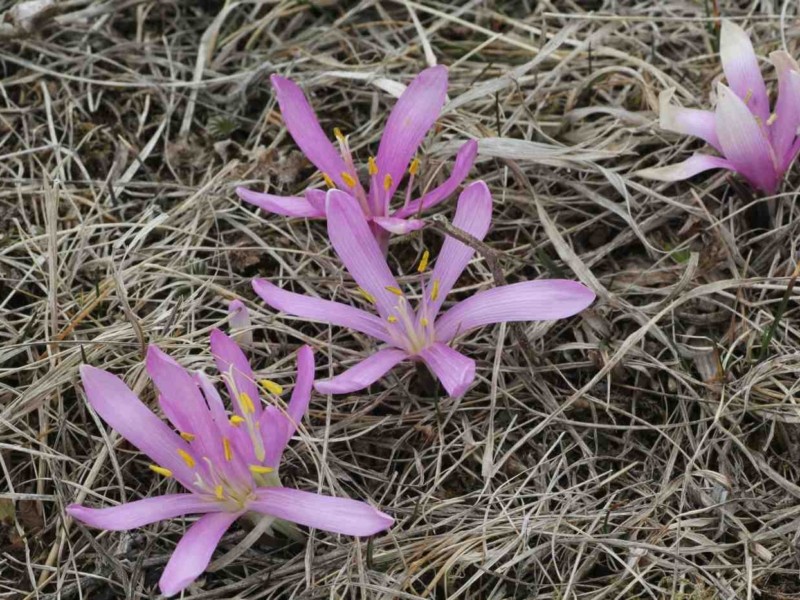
(395, 290)
(387, 182)
(260, 470)
(226, 447)
(748, 96)
(338, 134)
(236, 420)
(271, 387)
(424, 322)
(366, 295)
(328, 181)
(423, 263)
(373, 166)
(246, 402)
(772, 118)
(189, 437)
(187, 458)
(435, 290)
(218, 492)
(160, 470)
(414, 168)
(348, 179)
(391, 319)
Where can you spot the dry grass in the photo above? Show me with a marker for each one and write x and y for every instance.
(649, 449)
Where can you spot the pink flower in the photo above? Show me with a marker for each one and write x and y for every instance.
(756, 144)
(227, 462)
(420, 334)
(412, 117)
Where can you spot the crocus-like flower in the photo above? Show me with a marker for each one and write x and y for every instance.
(756, 144)
(412, 117)
(228, 462)
(420, 333)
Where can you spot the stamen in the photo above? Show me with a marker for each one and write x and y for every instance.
(387, 182)
(226, 447)
(189, 437)
(395, 290)
(348, 179)
(218, 492)
(338, 134)
(260, 470)
(367, 296)
(187, 458)
(772, 118)
(328, 181)
(424, 322)
(414, 168)
(373, 166)
(423, 263)
(391, 319)
(160, 470)
(435, 290)
(271, 387)
(236, 420)
(246, 403)
(748, 96)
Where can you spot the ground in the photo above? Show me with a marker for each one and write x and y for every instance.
(646, 448)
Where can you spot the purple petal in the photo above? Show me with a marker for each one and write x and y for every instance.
(275, 432)
(686, 169)
(473, 216)
(542, 300)
(689, 121)
(365, 373)
(122, 410)
(399, 226)
(213, 399)
(304, 128)
(783, 130)
(741, 68)
(233, 364)
(289, 206)
(307, 307)
(193, 552)
(132, 515)
(744, 142)
(453, 369)
(355, 245)
(301, 394)
(316, 198)
(337, 515)
(414, 114)
(464, 161)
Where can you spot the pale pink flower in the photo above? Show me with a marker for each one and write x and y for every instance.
(757, 144)
(228, 462)
(420, 333)
(414, 114)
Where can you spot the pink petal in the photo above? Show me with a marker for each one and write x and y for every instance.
(453, 369)
(289, 206)
(744, 142)
(414, 114)
(464, 161)
(689, 121)
(337, 515)
(686, 169)
(213, 399)
(182, 401)
(193, 552)
(542, 300)
(473, 216)
(275, 432)
(363, 374)
(304, 128)
(783, 130)
(356, 247)
(233, 364)
(399, 226)
(132, 515)
(301, 394)
(316, 198)
(122, 410)
(325, 311)
(741, 68)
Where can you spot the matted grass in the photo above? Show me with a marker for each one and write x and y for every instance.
(647, 448)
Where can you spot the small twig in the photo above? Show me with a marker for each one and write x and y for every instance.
(765, 341)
